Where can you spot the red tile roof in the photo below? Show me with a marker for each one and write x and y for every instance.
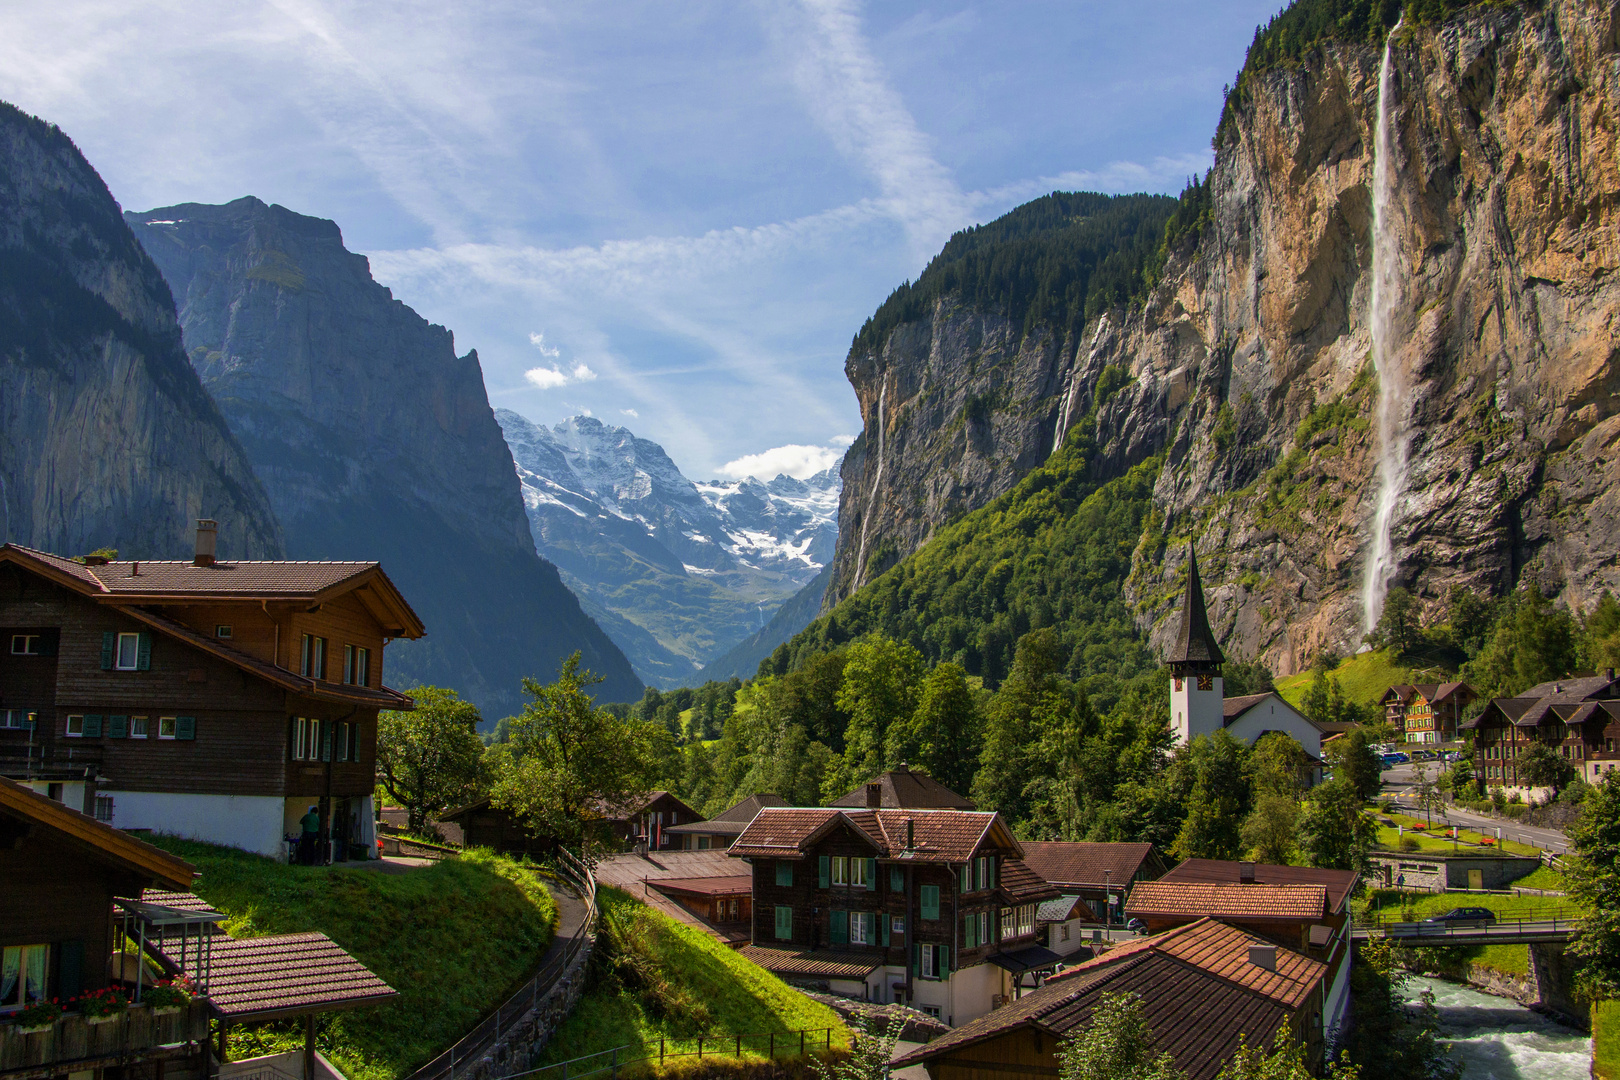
(1081, 863)
(782, 832)
(1338, 883)
(639, 876)
(1021, 885)
(821, 963)
(938, 836)
(285, 975)
(1178, 899)
(902, 788)
(742, 885)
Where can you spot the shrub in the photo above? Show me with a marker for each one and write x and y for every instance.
(1515, 811)
(1409, 843)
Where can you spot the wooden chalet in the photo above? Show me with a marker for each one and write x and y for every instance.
(718, 832)
(704, 889)
(1579, 717)
(211, 699)
(933, 908)
(1100, 874)
(1427, 712)
(903, 788)
(1207, 988)
(645, 822)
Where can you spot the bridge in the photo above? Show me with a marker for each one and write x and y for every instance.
(1512, 931)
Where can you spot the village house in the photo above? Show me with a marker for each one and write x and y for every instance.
(1102, 875)
(932, 908)
(1207, 987)
(1427, 712)
(210, 699)
(903, 788)
(1061, 925)
(704, 889)
(644, 823)
(718, 832)
(1578, 717)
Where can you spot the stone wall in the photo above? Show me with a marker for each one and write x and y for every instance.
(513, 1052)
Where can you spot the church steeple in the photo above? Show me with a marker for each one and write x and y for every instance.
(1196, 651)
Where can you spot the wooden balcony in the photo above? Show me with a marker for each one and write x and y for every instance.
(73, 1044)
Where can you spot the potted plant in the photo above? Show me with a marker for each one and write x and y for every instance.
(101, 1006)
(169, 995)
(40, 1016)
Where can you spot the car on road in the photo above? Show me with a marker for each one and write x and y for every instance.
(1395, 758)
(1464, 916)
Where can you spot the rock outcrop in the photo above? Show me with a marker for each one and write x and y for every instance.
(107, 439)
(1249, 364)
(374, 440)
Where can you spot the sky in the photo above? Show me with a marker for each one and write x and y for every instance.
(673, 216)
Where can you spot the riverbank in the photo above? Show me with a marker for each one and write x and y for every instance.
(1493, 1036)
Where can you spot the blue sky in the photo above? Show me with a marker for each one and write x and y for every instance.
(673, 215)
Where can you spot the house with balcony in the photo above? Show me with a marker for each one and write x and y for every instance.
(932, 908)
(1578, 717)
(1427, 712)
(211, 699)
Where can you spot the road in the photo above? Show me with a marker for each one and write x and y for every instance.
(1400, 783)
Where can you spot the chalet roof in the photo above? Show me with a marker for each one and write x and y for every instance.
(822, 963)
(901, 788)
(742, 884)
(1542, 703)
(286, 975)
(733, 820)
(936, 836)
(1199, 1003)
(1021, 885)
(1182, 899)
(1575, 688)
(1084, 863)
(640, 875)
(637, 806)
(1339, 884)
(101, 842)
(1195, 642)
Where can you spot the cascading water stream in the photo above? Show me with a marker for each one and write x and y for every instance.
(866, 516)
(1394, 388)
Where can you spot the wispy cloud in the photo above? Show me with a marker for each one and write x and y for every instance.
(794, 459)
(631, 413)
(550, 378)
(538, 340)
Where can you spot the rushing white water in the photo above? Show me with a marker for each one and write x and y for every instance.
(1394, 387)
(1063, 414)
(866, 515)
(1493, 1038)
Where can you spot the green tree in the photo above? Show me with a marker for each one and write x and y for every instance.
(1398, 627)
(1269, 830)
(1288, 1060)
(1279, 765)
(879, 689)
(1542, 766)
(1532, 642)
(1243, 677)
(1470, 618)
(1600, 634)
(870, 1050)
(1387, 1038)
(945, 734)
(1030, 704)
(1116, 1045)
(1352, 759)
(428, 758)
(1594, 883)
(1219, 800)
(1334, 832)
(572, 764)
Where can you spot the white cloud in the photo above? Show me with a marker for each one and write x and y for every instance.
(795, 459)
(538, 340)
(631, 413)
(845, 441)
(549, 378)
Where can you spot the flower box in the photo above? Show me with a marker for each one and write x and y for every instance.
(35, 1030)
(109, 1018)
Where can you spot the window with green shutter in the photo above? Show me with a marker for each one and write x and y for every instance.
(784, 872)
(970, 932)
(117, 727)
(784, 923)
(930, 901)
(185, 727)
(92, 726)
(990, 863)
(109, 645)
(143, 652)
(838, 930)
(871, 875)
(826, 871)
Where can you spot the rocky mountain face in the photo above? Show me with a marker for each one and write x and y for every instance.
(1249, 365)
(374, 440)
(675, 572)
(107, 439)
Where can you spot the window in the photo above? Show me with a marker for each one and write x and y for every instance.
(17, 719)
(858, 872)
(931, 961)
(930, 901)
(970, 932)
(897, 926)
(342, 741)
(22, 975)
(222, 631)
(1064, 932)
(27, 645)
(75, 727)
(897, 879)
(860, 928)
(165, 727)
(104, 809)
(138, 727)
(314, 657)
(840, 870)
(362, 667)
(784, 923)
(348, 663)
(306, 744)
(784, 873)
(129, 652)
(930, 1010)
(984, 928)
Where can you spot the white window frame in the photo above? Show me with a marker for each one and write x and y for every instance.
(984, 928)
(222, 630)
(930, 961)
(166, 726)
(930, 1010)
(134, 658)
(30, 644)
(104, 809)
(19, 992)
(67, 728)
(860, 928)
(857, 873)
(341, 750)
(840, 870)
(348, 664)
(362, 666)
(140, 727)
(300, 737)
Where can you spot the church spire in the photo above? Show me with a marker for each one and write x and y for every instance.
(1195, 651)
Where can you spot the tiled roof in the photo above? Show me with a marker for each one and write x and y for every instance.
(1338, 883)
(1063, 909)
(636, 875)
(1021, 885)
(821, 963)
(780, 832)
(263, 978)
(903, 789)
(1576, 688)
(940, 836)
(732, 821)
(1234, 707)
(1070, 863)
(1194, 900)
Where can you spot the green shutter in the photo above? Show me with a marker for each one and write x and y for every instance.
(185, 727)
(883, 928)
(92, 727)
(942, 961)
(838, 931)
(784, 872)
(930, 901)
(916, 959)
(69, 968)
(784, 923)
(109, 646)
(990, 863)
(826, 871)
(871, 875)
(326, 740)
(117, 727)
(143, 651)
(969, 928)
(897, 879)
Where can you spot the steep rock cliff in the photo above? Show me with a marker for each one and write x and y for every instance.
(374, 440)
(1249, 363)
(106, 437)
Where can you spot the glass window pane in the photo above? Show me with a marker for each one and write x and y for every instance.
(127, 646)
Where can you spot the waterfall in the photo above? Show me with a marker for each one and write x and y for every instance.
(866, 515)
(1063, 414)
(1394, 386)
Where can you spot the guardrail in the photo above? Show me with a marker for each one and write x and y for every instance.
(1385, 921)
(775, 1044)
(1505, 929)
(470, 1048)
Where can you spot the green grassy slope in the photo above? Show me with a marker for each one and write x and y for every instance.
(706, 989)
(454, 939)
(1365, 677)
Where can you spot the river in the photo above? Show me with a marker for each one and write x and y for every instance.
(1494, 1038)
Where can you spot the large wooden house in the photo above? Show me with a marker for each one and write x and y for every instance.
(933, 908)
(1427, 712)
(210, 699)
(1578, 717)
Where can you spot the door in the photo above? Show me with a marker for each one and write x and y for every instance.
(1476, 879)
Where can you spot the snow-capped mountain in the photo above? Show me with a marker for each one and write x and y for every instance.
(675, 572)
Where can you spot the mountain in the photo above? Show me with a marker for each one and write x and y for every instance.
(675, 572)
(107, 439)
(743, 660)
(1243, 357)
(374, 440)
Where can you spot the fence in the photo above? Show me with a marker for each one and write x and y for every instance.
(772, 1044)
(1540, 916)
(472, 1045)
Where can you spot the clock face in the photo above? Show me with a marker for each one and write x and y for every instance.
(1206, 682)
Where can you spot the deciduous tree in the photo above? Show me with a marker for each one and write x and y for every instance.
(428, 758)
(1594, 883)
(1116, 1045)
(1334, 831)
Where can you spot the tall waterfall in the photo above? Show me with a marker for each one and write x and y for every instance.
(1394, 385)
(866, 515)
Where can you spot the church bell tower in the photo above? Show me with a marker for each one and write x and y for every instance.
(1196, 691)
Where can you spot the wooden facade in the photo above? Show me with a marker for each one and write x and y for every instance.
(1578, 718)
(1427, 712)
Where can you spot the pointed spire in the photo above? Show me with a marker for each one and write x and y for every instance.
(1195, 646)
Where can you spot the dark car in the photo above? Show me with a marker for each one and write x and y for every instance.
(1137, 925)
(1465, 916)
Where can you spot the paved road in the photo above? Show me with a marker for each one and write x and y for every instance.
(1400, 784)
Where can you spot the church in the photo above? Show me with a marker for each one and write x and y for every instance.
(1198, 701)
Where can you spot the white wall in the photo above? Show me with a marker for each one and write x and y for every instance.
(1195, 712)
(72, 792)
(970, 992)
(1275, 714)
(250, 822)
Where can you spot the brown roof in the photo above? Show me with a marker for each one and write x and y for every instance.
(733, 820)
(1247, 902)
(1234, 707)
(821, 963)
(285, 975)
(636, 875)
(742, 885)
(1021, 885)
(902, 788)
(103, 842)
(781, 832)
(1195, 642)
(1082, 863)
(940, 836)
(1338, 883)
(629, 810)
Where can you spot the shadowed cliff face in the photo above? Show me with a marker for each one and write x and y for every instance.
(374, 440)
(1250, 362)
(106, 437)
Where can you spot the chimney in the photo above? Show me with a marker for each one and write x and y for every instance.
(874, 796)
(1610, 674)
(207, 535)
(1263, 956)
(911, 834)
(1246, 873)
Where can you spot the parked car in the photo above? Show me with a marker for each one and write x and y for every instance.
(1465, 916)
(1450, 755)
(1395, 758)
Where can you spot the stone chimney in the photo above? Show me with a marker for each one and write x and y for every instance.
(874, 796)
(1246, 873)
(207, 537)
(1263, 956)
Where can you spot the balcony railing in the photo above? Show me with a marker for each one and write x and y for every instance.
(75, 1044)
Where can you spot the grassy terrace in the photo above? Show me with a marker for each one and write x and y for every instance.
(454, 939)
(1470, 840)
(675, 982)
(1394, 903)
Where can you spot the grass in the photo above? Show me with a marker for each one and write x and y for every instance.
(454, 939)
(1606, 1040)
(1393, 902)
(1389, 838)
(1365, 677)
(707, 989)
(1543, 877)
